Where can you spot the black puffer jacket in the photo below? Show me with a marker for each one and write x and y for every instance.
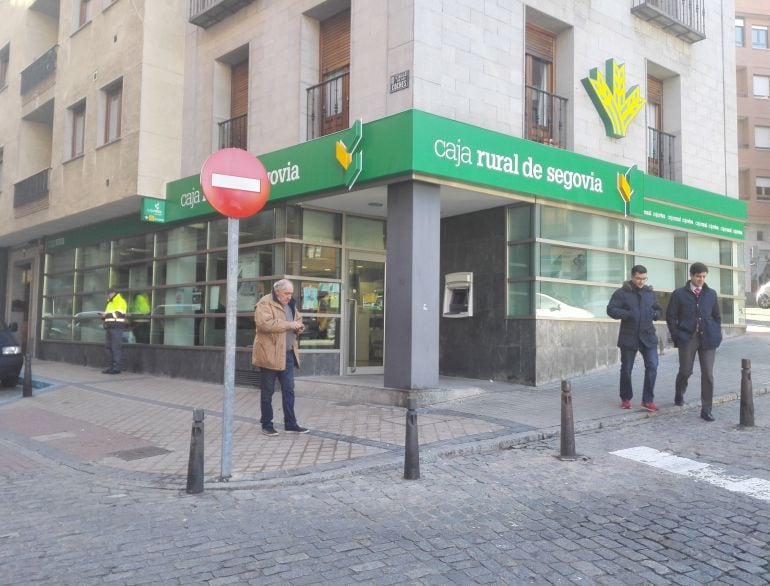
(636, 309)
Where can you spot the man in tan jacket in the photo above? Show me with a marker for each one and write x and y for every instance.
(275, 353)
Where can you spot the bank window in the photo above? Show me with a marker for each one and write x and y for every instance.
(135, 278)
(762, 137)
(365, 233)
(181, 240)
(565, 300)
(520, 222)
(134, 248)
(252, 263)
(580, 264)
(313, 225)
(761, 86)
(740, 32)
(94, 255)
(763, 188)
(308, 260)
(519, 261)
(181, 270)
(581, 228)
(759, 37)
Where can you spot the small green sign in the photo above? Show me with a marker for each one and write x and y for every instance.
(153, 210)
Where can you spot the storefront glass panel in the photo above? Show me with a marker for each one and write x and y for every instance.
(308, 260)
(365, 233)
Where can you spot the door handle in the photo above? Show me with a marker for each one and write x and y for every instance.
(353, 344)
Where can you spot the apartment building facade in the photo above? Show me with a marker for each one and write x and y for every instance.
(456, 187)
(752, 22)
(91, 99)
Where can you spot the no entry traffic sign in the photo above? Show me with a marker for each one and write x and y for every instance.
(235, 183)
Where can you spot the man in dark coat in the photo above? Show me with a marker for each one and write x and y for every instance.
(695, 324)
(635, 305)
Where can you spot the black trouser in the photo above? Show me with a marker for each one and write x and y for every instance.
(113, 342)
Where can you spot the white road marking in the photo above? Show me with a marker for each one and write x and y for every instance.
(235, 182)
(757, 488)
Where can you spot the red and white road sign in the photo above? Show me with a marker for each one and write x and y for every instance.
(235, 183)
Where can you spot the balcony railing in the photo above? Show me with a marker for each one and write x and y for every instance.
(233, 133)
(660, 154)
(40, 70)
(546, 117)
(685, 19)
(31, 189)
(327, 106)
(206, 13)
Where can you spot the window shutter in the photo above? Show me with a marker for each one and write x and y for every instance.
(239, 89)
(540, 43)
(335, 43)
(654, 90)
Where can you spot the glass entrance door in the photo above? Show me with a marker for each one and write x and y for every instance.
(365, 308)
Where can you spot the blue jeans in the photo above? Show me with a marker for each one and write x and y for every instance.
(267, 386)
(627, 357)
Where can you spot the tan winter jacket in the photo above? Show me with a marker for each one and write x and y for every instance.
(269, 350)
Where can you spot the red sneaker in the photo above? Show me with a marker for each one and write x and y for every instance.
(625, 404)
(650, 406)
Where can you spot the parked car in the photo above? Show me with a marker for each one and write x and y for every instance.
(763, 296)
(11, 358)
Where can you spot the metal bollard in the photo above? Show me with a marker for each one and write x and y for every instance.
(26, 387)
(567, 423)
(195, 464)
(747, 395)
(411, 446)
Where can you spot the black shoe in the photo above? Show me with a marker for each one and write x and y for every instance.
(114, 371)
(296, 429)
(107, 371)
(706, 416)
(270, 431)
(679, 399)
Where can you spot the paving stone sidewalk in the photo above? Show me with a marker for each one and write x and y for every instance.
(138, 427)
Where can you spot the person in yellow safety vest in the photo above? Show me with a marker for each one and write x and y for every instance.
(139, 313)
(114, 318)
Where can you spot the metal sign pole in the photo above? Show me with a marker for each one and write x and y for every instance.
(230, 330)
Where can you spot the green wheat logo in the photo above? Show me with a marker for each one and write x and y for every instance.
(617, 106)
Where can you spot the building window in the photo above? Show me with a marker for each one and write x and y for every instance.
(84, 12)
(763, 188)
(759, 37)
(113, 108)
(761, 86)
(740, 32)
(77, 116)
(762, 137)
(5, 55)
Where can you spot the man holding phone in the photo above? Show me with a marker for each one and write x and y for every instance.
(278, 324)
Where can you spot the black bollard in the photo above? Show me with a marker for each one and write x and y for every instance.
(195, 464)
(26, 387)
(412, 446)
(747, 395)
(567, 423)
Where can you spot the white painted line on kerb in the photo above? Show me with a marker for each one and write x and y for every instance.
(235, 182)
(757, 488)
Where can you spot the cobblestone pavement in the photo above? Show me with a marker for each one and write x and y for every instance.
(510, 516)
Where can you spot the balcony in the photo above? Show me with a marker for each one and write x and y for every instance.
(233, 133)
(660, 154)
(685, 19)
(546, 117)
(206, 13)
(31, 189)
(42, 69)
(327, 106)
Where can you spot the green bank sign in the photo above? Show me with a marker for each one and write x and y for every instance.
(415, 144)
